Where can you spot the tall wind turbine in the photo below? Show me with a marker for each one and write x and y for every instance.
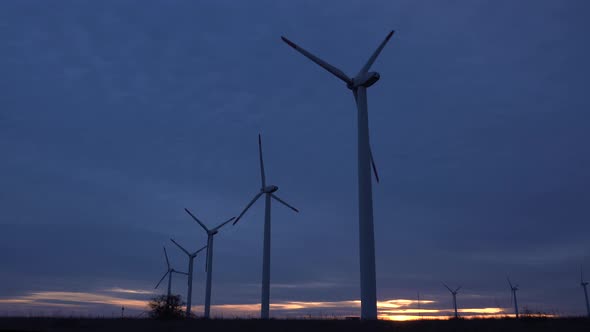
(454, 292)
(191, 258)
(359, 85)
(584, 284)
(209, 263)
(514, 289)
(169, 274)
(269, 191)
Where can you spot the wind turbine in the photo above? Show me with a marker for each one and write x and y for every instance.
(514, 289)
(269, 191)
(454, 292)
(359, 85)
(209, 263)
(191, 258)
(584, 284)
(169, 274)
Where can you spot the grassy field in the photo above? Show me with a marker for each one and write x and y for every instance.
(116, 325)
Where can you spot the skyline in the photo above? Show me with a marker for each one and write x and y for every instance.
(116, 116)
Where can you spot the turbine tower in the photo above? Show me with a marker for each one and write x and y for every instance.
(169, 274)
(269, 191)
(191, 258)
(514, 289)
(359, 84)
(584, 284)
(209, 263)
(454, 292)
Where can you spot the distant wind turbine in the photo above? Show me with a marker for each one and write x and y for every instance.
(169, 274)
(514, 289)
(191, 258)
(359, 84)
(584, 284)
(419, 309)
(454, 292)
(209, 263)
(269, 191)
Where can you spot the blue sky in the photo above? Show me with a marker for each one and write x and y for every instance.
(116, 115)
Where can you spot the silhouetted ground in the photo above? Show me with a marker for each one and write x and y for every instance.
(148, 325)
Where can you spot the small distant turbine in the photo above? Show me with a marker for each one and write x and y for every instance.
(191, 258)
(584, 284)
(514, 288)
(209, 263)
(419, 309)
(454, 292)
(169, 274)
(269, 192)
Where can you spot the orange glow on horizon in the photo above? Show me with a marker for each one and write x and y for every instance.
(482, 310)
(393, 309)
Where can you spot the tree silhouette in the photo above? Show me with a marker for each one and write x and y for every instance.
(164, 307)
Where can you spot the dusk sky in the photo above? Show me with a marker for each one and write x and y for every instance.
(116, 115)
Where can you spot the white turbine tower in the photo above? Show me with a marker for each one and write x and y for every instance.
(359, 85)
(584, 284)
(514, 288)
(454, 292)
(191, 258)
(169, 274)
(269, 192)
(209, 263)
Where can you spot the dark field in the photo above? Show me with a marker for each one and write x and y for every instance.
(116, 325)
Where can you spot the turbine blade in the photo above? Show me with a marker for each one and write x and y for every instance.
(180, 272)
(284, 203)
(247, 207)
(509, 283)
(159, 282)
(447, 287)
(456, 290)
(376, 54)
(197, 220)
(355, 92)
(373, 164)
(207, 258)
(581, 274)
(262, 175)
(223, 224)
(335, 71)
(167, 261)
(179, 246)
(198, 251)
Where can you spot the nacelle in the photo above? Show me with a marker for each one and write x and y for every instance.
(365, 80)
(270, 189)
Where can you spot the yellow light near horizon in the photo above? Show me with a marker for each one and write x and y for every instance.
(482, 310)
(411, 311)
(404, 318)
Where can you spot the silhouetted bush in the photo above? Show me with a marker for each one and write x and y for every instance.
(166, 308)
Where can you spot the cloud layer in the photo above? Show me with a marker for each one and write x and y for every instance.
(116, 115)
